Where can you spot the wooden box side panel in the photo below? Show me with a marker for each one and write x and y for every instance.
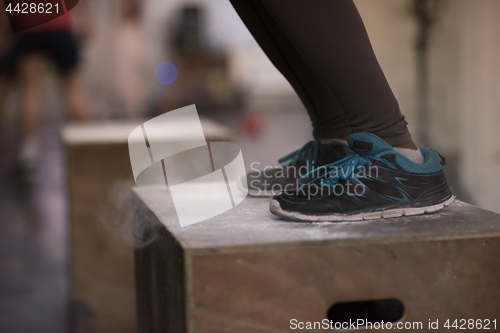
(160, 276)
(263, 291)
(102, 263)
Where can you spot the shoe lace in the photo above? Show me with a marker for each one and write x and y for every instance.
(340, 170)
(308, 153)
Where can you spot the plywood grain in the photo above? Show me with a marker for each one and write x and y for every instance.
(246, 271)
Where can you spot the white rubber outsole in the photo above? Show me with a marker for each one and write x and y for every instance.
(275, 208)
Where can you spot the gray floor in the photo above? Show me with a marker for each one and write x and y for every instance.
(33, 246)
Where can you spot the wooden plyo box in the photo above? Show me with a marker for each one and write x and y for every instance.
(102, 262)
(247, 271)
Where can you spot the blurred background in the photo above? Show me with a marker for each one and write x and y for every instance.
(440, 57)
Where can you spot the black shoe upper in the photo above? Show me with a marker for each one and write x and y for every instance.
(373, 178)
(294, 166)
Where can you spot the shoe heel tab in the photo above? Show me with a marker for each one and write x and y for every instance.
(442, 160)
(426, 151)
(432, 161)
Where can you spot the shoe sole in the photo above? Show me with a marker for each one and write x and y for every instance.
(275, 208)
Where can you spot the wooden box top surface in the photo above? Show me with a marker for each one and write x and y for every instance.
(116, 132)
(251, 226)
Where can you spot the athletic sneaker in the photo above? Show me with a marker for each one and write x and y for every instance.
(373, 182)
(295, 165)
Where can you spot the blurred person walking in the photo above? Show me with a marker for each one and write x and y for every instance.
(5, 72)
(59, 42)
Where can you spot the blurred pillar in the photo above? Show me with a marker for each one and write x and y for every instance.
(425, 12)
(479, 89)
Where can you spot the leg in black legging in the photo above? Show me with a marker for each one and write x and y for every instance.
(325, 112)
(328, 39)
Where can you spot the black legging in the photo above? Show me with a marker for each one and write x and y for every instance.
(323, 50)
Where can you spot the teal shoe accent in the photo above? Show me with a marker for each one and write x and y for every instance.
(432, 162)
(368, 143)
(368, 147)
(308, 154)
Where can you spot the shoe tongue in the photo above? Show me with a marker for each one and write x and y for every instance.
(367, 143)
(332, 153)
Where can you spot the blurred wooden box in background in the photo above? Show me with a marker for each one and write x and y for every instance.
(246, 271)
(102, 257)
